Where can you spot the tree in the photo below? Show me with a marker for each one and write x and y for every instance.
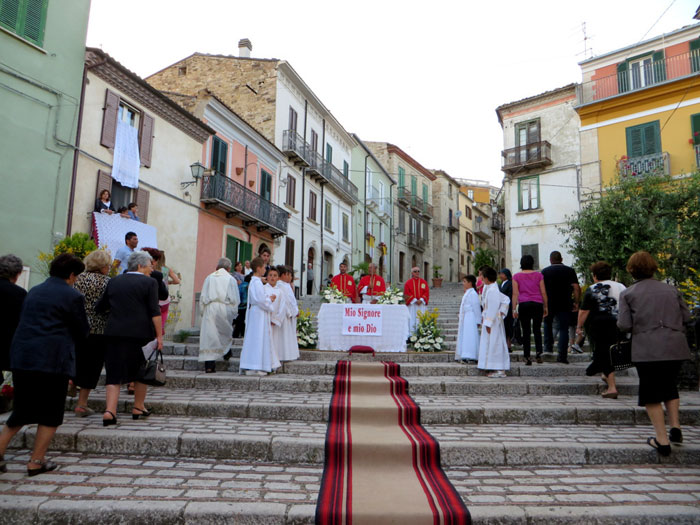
(484, 257)
(658, 214)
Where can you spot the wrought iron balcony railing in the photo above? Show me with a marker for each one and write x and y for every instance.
(416, 242)
(385, 207)
(648, 165)
(373, 199)
(315, 161)
(336, 178)
(221, 192)
(404, 195)
(533, 155)
(294, 146)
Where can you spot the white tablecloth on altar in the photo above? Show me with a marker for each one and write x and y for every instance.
(109, 230)
(394, 330)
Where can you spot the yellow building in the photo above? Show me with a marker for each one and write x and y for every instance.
(640, 110)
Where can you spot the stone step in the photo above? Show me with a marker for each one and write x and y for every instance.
(94, 489)
(435, 409)
(296, 442)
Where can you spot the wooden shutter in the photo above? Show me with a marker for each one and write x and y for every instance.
(425, 193)
(266, 185)
(695, 126)
(231, 248)
(346, 169)
(659, 66)
(402, 177)
(289, 252)
(109, 119)
(329, 153)
(142, 198)
(34, 21)
(104, 182)
(623, 81)
(634, 142)
(695, 55)
(292, 119)
(146, 139)
(652, 138)
(9, 14)
(414, 185)
(312, 205)
(219, 152)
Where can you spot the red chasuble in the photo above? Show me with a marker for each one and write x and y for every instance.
(416, 288)
(345, 284)
(375, 284)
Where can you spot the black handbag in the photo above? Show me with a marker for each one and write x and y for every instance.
(621, 354)
(153, 370)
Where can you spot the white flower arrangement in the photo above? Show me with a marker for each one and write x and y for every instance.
(332, 295)
(306, 335)
(427, 337)
(392, 296)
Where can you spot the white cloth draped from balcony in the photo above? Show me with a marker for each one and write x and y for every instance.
(109, 231)
(126, 163)
(394, 330)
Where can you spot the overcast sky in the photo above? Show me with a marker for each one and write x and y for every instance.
(426, 76)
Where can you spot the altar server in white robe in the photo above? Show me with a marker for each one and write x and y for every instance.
(284, 320)
(493, 349)
(257, 356)
(469, 322)
(219, 300)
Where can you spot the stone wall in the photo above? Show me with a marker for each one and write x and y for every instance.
(247, 86)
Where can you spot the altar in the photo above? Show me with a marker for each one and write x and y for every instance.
(384, 327)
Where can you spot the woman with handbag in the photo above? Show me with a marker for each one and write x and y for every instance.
(656, 313)
(134, 320)
(599, 315)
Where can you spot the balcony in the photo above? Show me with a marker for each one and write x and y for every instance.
(332, 175)
(224, 194)
(385, 208)
(294, 146)
(640, 74)
(315, 161)
(404, 195)
(481, 229)
(416, 242)
(533, 155)
(452, 224)
(496, 223)
(373, 199)
(648, 165)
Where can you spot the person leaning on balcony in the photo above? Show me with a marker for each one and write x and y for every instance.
(42, 358)
(104, 203)
(656, 313)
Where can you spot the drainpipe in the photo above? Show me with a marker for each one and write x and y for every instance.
(245, 169)
(76, 154)
(303, 201)
(323, 145)
(364, 233)
(391, 234)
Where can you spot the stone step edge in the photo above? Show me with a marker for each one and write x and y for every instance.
(308, 450)
(36, 509)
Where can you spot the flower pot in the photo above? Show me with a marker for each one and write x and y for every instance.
(437, 282)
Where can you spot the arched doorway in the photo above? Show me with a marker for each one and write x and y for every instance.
(310, 271)
(328, 266)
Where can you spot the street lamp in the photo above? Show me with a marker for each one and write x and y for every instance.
(198, 170)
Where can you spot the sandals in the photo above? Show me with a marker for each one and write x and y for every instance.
(675, 436)
(108, 422)
(83, 411)
(143, 412)
(45, 466)
(663, 450)
(609, 395)
(3, 464)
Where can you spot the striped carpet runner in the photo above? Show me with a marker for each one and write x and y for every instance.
(381, 465)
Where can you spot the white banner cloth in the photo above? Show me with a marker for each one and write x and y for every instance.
(126, 163)
(362, 320)
(394, 329)
(109, 231)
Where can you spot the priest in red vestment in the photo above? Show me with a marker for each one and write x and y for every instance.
(417, 294)
(345, 283)
(371, 285)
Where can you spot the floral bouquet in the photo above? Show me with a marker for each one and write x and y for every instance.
(392, 296)
(306, 335)
(332, 295)
(427, 337)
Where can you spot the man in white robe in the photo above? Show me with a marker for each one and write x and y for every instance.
(284, 319)
(257, 356)
(219, 300)
(469, 322)
(493, 348)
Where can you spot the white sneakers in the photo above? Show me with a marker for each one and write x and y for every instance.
(499, 373)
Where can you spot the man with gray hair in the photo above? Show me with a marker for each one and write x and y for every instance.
(11, 299)
(219, 300)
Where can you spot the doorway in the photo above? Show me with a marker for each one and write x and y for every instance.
(310, 271)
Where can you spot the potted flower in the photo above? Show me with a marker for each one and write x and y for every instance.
(427, 336)
(306, 335)
(437, 276)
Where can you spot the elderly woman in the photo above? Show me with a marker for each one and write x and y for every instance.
(134, 320)
(43, 358)
(11, 299)
(599, 314)
(655, 313)
(90, 353)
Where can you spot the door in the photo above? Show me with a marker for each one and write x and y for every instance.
(238, 250)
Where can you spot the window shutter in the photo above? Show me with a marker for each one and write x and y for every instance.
(414, 185)
(346, 169)
(425, 193)
(34, 21)
(622, 78)
(289, 252)
(652, 138)
(142, 198)
(104, 182)
(659, 65)
(402, 177)
(146, 139)
(231, 248)
(9, 14)
(634, 142)
(695, 126)
(109, 119)
(219, 152)
(695, 55)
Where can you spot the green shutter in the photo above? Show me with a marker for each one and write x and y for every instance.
(414, 186)
(425, 193)
(695, 127)
(695, 55)
(219, 153)
(246, 253)
(402, 177)
(329, 153)
(265, 185)
(644, 139)
(634, 141)
(9, 14)
(623, 81)
(346, 169)
(231, 247)
(652, 138)
(26, 18)
(659, 65)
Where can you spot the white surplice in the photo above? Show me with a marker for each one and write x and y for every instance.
(493, 349)
(257, 351)
(469, 320)
(284, 324)
(219, 300)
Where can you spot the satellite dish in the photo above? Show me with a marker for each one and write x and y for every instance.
(458, 213)
(479, 218)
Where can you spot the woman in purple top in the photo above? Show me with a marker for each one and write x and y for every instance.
(529, 304)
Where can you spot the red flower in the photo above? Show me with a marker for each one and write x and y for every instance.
(8, 392)
(691, 141)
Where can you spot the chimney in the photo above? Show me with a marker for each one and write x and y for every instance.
(244, 48)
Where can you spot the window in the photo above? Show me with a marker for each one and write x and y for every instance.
(289, 252)
(469, 240)
(328, 216)
(402, 177)
(414, 185)
(265, 185)
(414, 225)
(329, 153)
(314, 141)
(293, 117)
(644, 139)
(238, 250)
(25, 18)
(531, 249)
(346, 227)
(425, 193)
(449, 190)
(402, 265)
(219, 155)
(312, 205)
(291, 191)
(642, 71)
(402, 221)
(470, 194)
(346, 169)
(528, 193)
(426, 230)
(527, 133)
(467, 211)
(381, 232)
(128, 114)
(118, 110)
(451, 242)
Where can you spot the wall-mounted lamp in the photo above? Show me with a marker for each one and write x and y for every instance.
(198, 170)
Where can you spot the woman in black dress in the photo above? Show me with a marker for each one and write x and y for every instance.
(11, 299)
(42, 358)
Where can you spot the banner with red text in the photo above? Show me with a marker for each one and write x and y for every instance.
(362, 319)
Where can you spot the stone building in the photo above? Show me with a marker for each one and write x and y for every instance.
(466, 233)
(446, 238)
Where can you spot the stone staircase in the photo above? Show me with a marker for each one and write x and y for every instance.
(539, 446)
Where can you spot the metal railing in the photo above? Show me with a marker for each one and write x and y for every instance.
(697, 155)
(416, 241)
(528, 156)
(234, 198)
(315, 161)
(373, 199)
(496, 223)
(385, 207)
(404, 194)
(340, 181)
(295, 146)
(648, 165)
(641, 77)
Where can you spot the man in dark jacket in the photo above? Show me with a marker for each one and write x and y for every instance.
(11, 299)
